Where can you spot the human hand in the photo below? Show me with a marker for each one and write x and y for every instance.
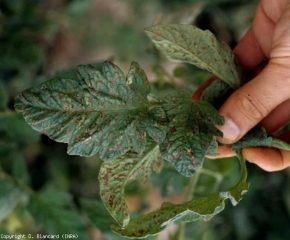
(266, 98)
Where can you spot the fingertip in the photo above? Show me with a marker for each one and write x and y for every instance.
(231, 132)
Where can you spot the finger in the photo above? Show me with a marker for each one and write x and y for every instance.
(278, 118)
(257, 43)
(223, 152)
(197, 95)
(248, 105)
(269, 159)
(249, 51)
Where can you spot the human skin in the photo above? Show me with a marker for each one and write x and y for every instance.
(265, 99)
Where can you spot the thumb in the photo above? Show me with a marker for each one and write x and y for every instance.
(248, 105)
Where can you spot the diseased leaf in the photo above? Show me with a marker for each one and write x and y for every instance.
(186, 43)
(216, 93)
(98, 113)
(115, 174)
(200, 208)
(191, 132)
(10, 196)
(54, 212)
(257, 137)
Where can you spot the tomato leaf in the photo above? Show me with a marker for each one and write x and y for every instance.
(191, 132)
(186, 43)
(199, 208)
(101, 113)
(115, 174)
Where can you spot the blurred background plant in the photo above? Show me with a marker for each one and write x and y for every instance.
(44, 190)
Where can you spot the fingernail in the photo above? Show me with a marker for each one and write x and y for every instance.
(230, 130)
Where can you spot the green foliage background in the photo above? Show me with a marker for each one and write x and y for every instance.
(40, 183)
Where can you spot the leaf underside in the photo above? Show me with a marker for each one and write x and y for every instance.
(115, 174)
(101, 113)
(186, 43)
(200, 208)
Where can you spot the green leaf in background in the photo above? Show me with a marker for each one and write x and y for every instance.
(97, 213)
(19, 168)
(191, 132)
(12, 161)
(115, 174)
(10, 196)
(3, 96)
(53, 211)
(16, 128)
(186, 43)
(199, 208)
(101, 113)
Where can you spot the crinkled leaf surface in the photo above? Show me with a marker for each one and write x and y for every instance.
(101, 113)
(115, 174)
(54, 212)
(191, 132)
(199, 208)
(186, 43)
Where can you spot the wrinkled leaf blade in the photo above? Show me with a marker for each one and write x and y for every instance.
(115, 174)
(191, 132)
(186, 43)
(98, 113)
